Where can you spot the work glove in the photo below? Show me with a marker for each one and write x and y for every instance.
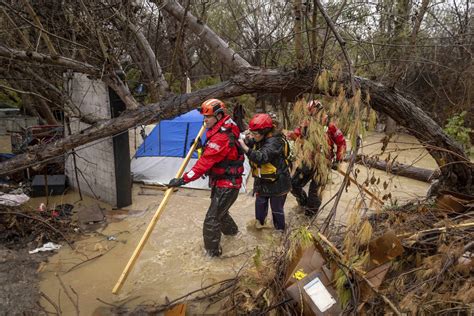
(176, 182)
(335, 164)
(199, 142)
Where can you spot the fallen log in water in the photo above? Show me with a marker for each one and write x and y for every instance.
(398, 169)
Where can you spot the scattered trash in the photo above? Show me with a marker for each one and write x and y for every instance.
(315, 295)
(112, 238)
(13, 199)
(42, 207)
(90, 218)
(49, 246)
(63, 210)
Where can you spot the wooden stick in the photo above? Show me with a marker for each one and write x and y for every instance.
(372, 195)
(441, 229)
(155, 218)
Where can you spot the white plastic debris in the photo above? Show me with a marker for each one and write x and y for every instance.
(13, 199)
(49, 246)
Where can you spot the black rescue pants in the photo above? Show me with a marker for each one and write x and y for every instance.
(218, 219)
(311, 201)
(277, 204)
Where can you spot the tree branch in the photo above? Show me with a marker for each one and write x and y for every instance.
(44, 59)
(394, 103)
(342, 43)
(208, 36)
(158, 78)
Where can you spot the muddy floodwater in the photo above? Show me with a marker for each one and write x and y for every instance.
(172, 263)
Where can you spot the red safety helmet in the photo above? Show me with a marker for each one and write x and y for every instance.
(260, 121)
(212, 107)
(314, 104)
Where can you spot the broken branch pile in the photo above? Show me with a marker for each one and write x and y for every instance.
(21, 227)
(435, 273)
(419, 260)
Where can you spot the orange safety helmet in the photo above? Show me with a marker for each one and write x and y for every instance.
(212, 107)
(314, 104)
(260, 121)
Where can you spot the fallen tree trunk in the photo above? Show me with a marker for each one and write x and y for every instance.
(399, 169)
(456, 170)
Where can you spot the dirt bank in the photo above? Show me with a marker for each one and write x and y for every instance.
(19, 294)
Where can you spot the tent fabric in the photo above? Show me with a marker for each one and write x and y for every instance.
(172, 138)
(159, 157)
(160, 170)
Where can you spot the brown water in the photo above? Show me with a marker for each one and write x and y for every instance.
(172, 263)
(5, 144)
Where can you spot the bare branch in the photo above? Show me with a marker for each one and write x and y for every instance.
(158, 77)
(208, 36)
(37, 21)
(122, 91)
(34, 57)
(341, 42)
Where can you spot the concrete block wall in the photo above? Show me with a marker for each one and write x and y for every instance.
(95, 161)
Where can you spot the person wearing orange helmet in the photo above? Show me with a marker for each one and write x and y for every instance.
(267, 151)
(303, 174)
(222, 160)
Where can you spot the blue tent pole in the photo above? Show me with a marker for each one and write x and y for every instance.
(186, 140)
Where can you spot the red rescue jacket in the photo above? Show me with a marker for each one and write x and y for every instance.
(221, 159)
(334, 137)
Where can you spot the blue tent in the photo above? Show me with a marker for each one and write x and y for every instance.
(159, 157)
(172, 138)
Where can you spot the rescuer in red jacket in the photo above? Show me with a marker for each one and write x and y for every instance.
(222, 160)
(312, 201)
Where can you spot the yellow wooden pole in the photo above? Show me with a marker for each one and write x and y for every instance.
(155, 218)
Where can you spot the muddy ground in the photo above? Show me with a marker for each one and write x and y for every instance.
(19, 290)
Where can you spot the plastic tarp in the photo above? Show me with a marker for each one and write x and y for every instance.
(159, 157)
(172, 138)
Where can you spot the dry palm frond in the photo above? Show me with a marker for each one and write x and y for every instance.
(323, 81)
(342, 288)
(372, 119)
(299, 239)
(365, 233)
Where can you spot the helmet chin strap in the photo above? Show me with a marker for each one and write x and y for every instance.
(221, 113)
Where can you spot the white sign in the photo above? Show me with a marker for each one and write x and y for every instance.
(319, 295)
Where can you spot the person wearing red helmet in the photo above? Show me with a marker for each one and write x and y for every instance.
(222, 160)
(268, 151)
(312, 201)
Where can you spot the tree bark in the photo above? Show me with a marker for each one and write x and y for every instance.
(157, 78)
(399, 169)
(298, 34)
(34, 57)
(227, 55)
(456, 170)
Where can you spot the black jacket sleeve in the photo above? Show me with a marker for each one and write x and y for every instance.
(270, 150)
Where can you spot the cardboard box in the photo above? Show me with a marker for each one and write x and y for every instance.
(384, 248)
(376, 277)
(323, 299)
(309, 260)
